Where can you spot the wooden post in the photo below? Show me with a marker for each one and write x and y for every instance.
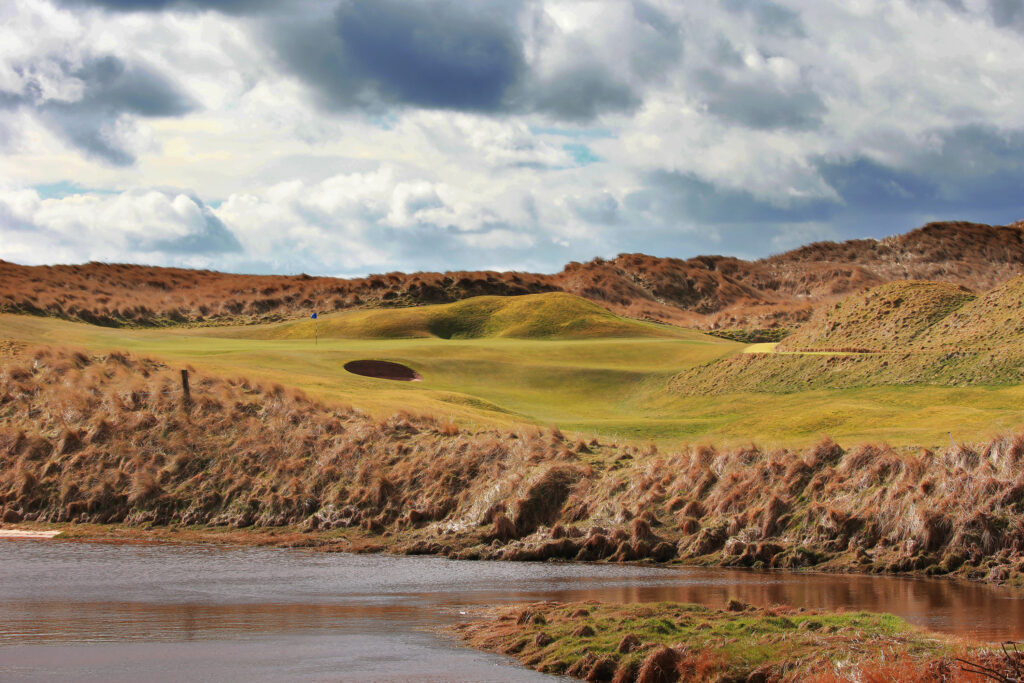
(186, 396)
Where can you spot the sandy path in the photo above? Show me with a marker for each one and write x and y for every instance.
(18, 533)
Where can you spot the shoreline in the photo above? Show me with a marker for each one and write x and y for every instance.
(28, 534)
(296, 538)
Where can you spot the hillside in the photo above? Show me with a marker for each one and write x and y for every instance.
(890, 316)
(116, 295)
(533, 316)
(989, 321)
(901, 333)
(712, 292)
(109, 439)
(917, 316)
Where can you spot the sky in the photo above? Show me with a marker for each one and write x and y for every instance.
(344, 137)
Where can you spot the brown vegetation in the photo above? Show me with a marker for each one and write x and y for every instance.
(108, 440)
(707, 291)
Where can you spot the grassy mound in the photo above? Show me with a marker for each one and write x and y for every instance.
(535, 316)
(795, 373)
(891, 316)
(656, 642)
(993, 319)
(902, 333)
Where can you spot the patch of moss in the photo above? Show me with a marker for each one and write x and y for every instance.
(732, 643)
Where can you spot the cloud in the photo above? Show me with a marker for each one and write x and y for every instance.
(1002, 13)
(229, 6)
(702, 202)
(377, 220)
(111, 90)
(583, 92)
(142, 225)
(346, 137)
(89, 98)
(761, 104)
(965, 171)
(433, 54)
(770, 17)
(1007, 12)
(468, 57)
(437, 54)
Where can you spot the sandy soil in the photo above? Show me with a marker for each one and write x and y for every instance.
(18, 533)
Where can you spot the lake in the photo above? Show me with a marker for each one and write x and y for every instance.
(90, 611)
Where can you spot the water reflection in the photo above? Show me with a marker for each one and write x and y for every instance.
(220, 613)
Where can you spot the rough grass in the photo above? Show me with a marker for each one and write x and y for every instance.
(106, 439)
(891, 316)
(993, 319)
(711, 292)
(587, 383)
(537, 316)
(610, 388)
(656, 642)
(786, 373)
(904, 333)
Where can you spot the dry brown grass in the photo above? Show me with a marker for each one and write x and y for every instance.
(708, 291)
(106, 439)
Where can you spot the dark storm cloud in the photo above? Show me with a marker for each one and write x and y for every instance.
(970, 173)
(871, 186)
(112, 85)
(760, 103)
(973, 171)
(1007, 12)
(581, 93)
(228, 6)
(769, 16)
(110, 88)
(441, 55)
(660, 46)
(687, 196)
(437, 54)
(1002, 13)
(430, 54)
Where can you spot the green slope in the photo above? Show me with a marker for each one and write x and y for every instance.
(902, 333)
(891, 316)
(993, 319)
(553, 315)
(609, 387)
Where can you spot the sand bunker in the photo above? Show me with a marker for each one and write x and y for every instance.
(383, 369)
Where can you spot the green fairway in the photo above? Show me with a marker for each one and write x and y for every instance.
(604, 386)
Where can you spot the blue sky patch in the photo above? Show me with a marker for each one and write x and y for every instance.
(581, 154)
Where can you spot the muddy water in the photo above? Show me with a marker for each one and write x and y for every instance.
(71, 611)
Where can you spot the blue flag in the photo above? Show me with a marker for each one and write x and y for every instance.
(313, 316)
